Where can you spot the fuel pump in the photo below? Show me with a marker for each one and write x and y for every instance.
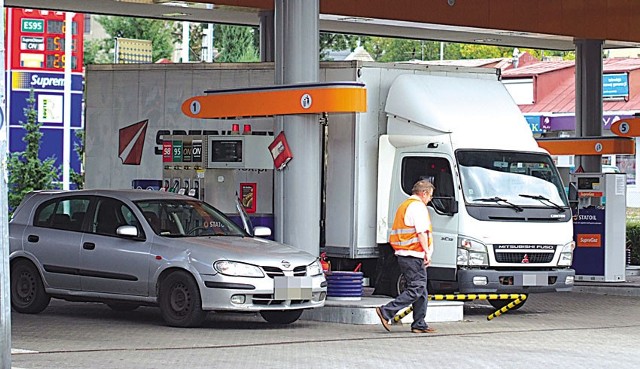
(219, 168)
(599, 225)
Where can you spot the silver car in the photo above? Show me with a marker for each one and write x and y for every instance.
(128, 248)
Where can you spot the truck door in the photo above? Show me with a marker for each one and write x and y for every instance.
(443, 208)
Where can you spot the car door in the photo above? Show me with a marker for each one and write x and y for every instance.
(54, 238)
(111, 263)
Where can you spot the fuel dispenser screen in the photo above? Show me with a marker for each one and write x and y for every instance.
(586, 183)
(226, 151)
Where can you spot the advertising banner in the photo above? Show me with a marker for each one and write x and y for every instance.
(36, 60)
(588, 234)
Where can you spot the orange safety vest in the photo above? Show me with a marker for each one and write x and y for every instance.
(404, 237)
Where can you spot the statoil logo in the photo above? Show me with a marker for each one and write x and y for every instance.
(131, 142)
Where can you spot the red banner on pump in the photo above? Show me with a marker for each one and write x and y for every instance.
(249, 196)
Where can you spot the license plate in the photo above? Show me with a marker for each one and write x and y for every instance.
(535, 280)
(292, 288)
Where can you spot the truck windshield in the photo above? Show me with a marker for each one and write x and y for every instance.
(511, 178)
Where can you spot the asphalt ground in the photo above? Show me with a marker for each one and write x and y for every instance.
(565, 330)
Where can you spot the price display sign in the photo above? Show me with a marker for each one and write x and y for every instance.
(37, 40)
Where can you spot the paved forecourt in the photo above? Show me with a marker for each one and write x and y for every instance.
(571, 330)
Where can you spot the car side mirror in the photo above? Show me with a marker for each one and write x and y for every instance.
(128, 231)
(260, 231)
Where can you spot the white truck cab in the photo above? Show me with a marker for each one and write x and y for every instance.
(501, 218)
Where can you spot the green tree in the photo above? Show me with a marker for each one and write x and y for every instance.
(339, 41)
(196, 34)
(385, 49)
(26, 171)
(540, 54)
(157, 31)
(78, 178)
(96, 52)
(235, 44)
(476, 51)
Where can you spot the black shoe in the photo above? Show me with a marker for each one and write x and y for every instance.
(385, 322)
(425, 330)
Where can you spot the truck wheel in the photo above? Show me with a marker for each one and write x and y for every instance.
(281, 316)
(499, 304)
(27, 290)
(180, 302)
(401, 284)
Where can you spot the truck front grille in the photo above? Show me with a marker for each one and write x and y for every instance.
(523, 257)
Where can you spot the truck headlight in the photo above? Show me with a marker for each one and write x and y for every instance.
(314, 268)
(237, 269)
(566, 254)
(472, 253)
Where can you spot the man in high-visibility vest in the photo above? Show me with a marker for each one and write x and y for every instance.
(412, 240)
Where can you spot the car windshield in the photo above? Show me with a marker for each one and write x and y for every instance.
(508, 178)
(187, 218)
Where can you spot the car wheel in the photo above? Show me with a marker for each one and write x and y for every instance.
(122, 306)
(27, 291)
(281, 316)
(180, 302)
(499, 304)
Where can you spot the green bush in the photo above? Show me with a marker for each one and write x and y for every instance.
(633, 241)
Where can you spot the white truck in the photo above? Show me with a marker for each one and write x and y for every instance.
(501, 219)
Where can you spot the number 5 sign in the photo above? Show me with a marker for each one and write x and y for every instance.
(628, 127)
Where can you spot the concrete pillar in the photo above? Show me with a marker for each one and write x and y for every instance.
(297, 187)
(5, 300)
(184, 52)
(267, 41)
(589, 97)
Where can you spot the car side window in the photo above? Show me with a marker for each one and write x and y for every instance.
(111, 214)
(65, 214)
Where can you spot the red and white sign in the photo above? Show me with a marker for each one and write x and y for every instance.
(280, 151)
(590, 194)
(589, 240)
(35, 39)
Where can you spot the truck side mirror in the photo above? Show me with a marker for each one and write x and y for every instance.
(573, 192)
(446, 205)
(454, 207)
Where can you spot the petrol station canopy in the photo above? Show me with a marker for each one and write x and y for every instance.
(541, 24)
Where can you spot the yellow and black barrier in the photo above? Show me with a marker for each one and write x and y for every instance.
(517, 298)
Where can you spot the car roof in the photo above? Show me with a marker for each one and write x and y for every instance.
(131, 194)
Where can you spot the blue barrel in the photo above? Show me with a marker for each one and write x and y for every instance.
(344, 285)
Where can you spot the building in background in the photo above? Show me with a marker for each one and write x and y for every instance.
(545, 93)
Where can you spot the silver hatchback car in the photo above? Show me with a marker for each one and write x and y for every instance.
(128, 248)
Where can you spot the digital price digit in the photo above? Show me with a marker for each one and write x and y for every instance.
(57, 61)
(57, 44)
